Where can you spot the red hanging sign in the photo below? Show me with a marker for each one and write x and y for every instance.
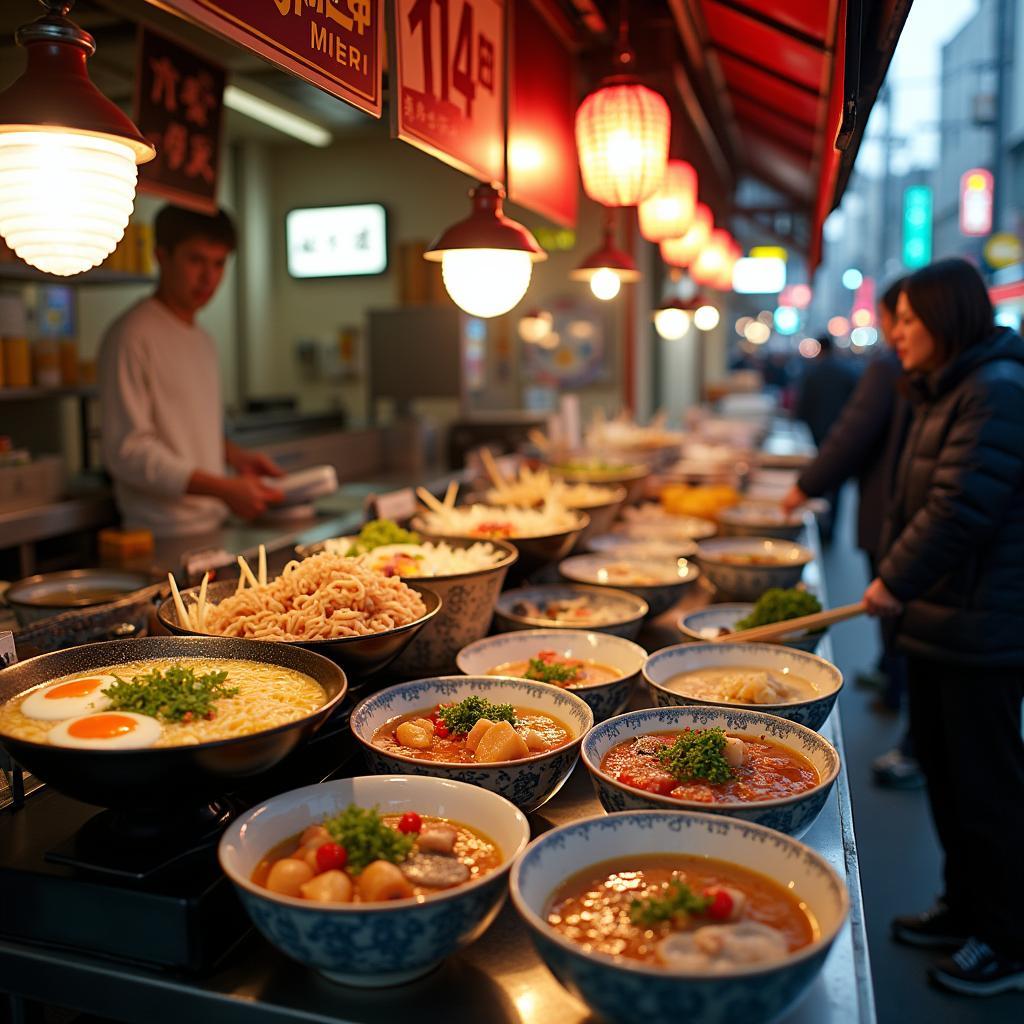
(542, 172)
(336, 45)
(179, 106)
(449, 99)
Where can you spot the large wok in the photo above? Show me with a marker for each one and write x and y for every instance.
(156, 777)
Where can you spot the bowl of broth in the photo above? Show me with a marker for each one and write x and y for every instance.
(659, 582)
(515, 737)
(661, 916)
(745, 567)
(601, 669)
(427, 877)
(571, 606)
(746, 764)
(783, 681)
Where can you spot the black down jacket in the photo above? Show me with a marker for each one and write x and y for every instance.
(955, 551)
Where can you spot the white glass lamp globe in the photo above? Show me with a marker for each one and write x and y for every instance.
(605, 284)
(486, 282)
(671, 323)
(65, 197)
(706, 318)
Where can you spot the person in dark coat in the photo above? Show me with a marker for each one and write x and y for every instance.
(826, 385)
(953, 578)
(865, 442)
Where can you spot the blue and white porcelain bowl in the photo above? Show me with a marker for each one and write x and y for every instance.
(760, 519)
(616, 545)
(528, 782)
(749, 582)
(662, 667)
(621, 612)
(601, 517)
(704, 625)
(373, 944)
(627, 992)
(793, 815)
(604, 699)
(673, 576)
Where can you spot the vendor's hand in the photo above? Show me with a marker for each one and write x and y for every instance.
(247, 496)
(880, 601)
(247, 463)
(793, 500)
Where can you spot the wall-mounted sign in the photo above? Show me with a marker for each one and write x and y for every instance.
(337, 241)
(1003, 250)
(336, 45)
(448, 96)
(917, 226)
(759, 275)
(542, 173)
(179, 106)
(976, 202)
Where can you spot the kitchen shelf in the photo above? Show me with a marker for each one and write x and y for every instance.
(39, 394)
(17, 271)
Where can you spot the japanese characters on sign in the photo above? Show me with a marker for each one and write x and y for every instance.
(179, 102)
(336, 45)
(449, 95)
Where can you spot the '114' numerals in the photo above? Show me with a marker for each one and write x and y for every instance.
(455, 71)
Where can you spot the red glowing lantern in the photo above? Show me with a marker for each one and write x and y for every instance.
(622, 133)
(669, 212)
(709, 265)
(681, 252)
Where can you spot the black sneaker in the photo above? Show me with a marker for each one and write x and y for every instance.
(937, 928)
(894, 770)
(976, 969)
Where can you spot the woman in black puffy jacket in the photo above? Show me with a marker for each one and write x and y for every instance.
(953, 574)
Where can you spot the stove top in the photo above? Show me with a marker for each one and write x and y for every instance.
(145, 888)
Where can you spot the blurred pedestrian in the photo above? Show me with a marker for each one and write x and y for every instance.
(822, 393)
(864, 443)
(953, 577)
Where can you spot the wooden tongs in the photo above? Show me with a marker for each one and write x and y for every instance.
(810, 623)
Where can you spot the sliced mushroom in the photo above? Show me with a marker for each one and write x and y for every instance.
(435, 870)
(437, 839)
(648, 745)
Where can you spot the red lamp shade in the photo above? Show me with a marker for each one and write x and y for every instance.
(680, 252)
(622, 133)
(669, 212)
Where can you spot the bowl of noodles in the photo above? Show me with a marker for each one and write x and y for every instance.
(332, 605)
(540, 535)
(145, 723)
(466, 574)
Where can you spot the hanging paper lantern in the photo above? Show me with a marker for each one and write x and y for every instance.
(711, 261)
(669, 212)
(622, 133)
(680, 252)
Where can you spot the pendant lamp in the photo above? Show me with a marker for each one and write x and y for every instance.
(672, 319)
(608, 267)
(711, 261)
(669, 212)
(487, 259)
(622, 133)
(68, 156)
(681, 252)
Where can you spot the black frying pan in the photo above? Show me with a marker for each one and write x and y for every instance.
(152, 778)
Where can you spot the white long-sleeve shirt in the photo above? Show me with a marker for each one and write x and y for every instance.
(161, 419)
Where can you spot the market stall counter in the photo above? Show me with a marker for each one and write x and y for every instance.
(499, 978)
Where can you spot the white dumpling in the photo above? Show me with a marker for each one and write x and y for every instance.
(719, 948)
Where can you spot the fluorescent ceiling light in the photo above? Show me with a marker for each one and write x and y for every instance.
(275, 116)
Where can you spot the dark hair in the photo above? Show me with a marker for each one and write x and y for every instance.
(891, 295)
(950, 299)
(825, 341)
(174, 225)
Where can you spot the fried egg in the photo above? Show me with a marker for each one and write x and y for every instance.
(108, 730)
(68, 698)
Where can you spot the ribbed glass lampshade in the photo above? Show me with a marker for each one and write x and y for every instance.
(622, 135)
(681, 252)
(65, 197)
(486, 282)
(669, 212)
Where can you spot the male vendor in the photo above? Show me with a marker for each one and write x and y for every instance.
(162, 420)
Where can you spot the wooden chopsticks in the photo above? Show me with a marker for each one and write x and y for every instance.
(777, 630)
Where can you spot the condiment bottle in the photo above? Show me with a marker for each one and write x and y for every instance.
(17, 363)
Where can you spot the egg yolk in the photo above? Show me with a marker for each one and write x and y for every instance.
(102, 727)
(76, 688)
